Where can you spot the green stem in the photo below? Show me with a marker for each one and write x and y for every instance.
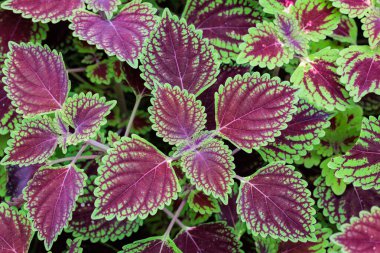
(133, 114)
(120, 99)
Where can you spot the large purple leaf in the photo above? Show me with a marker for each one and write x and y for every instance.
(44, 10)
(347, 30)
(177, 54)
(277, 6)
(339, 209)
(135, 180)
(354, 8)
(210, 169)
(371, 27)
(123, 35)
(15, 230)
(359, 67)
(361, 164)
(208, 238)
(302, 133)
(316, 77)
(151, 245)
(50, 199)
(251, 110)
(107, 6)
(32, 67)
(176, 115)
(33, 141)
(223, 22)
(18, 178)
(275, 201)
(85, 113)
(362, 234)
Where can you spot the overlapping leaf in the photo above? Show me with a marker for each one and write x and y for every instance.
(200, 202)
(123, 35)
(361, 164)
(337, 185)
(371, 27)
(50, 199)
(251, 110)
(151, 245)
(275, 201)
(176, 114)
(177, 54)
(223, 23)
(354, 8)
(303, 131)
(359, 67)
(347, 30)
(107, 6)
(32, 67)
(135, 180)
(276, 6)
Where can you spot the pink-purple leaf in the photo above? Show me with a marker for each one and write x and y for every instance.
(106, 6)
(177, 54)
(276, 202)
(176, 115)
(50, 199)
(32, 67)
(362, 234)
(371, 27)
(135, 180)
(347, 30)
(123, 35)
(44, 10)
(208, 238)
(151, 245)
(33, 141)
(251, 110)
(15, 230)
(354, 8)
(210, 169)
(223, 23)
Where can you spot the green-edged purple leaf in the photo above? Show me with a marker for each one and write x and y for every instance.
(251, 110)
(17, 29)
(100, 72)
(275, 201)
(33, 141)
(361, 164)
(276, 6)
(151, 245)
(44, 10)
(9, 118)
(106, 6)
(354, 8)
(371, 27)
(85, 113)
(176, 115)
(135, 180)
(18, 178)
(177, 54)
(74, 245)
(359, 67)
(347, 30)
(15, 230)
(84, 227)
(123, 35)
(362, 234)
(201, 203)
(210, 169)
(262, 47)
(339, 209)
(317, 18)
(50, 199)
(208, 238)
(32, 67)
(223, 23)
(319, 84)
(302, 133)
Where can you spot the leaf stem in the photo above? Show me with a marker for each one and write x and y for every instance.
(133, 114)
(242, 179)
(120, 99)
(174, 219)
(98, 145)
(76, 70)
(235, 151)
(81, 150)
(179, 223)
(78, 77)
(66, 159)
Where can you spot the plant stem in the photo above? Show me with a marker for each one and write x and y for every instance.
(98, 145)
(133, 114)
(111, 247)
(235, 151)
(81, 150)
(174, 218)
(171, 215)
(66, 159)
(76, 70)
(240, 178)
(78, 77)
(120, 99)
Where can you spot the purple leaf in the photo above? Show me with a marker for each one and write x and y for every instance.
(210, 169)
(359, 67)
(176, 115)
(347, 31)
(362, 234)
(86, 113)
(50, 199)
(208, 238)
(177, 54)
(251, 110)
(354, 8)
(29, 68)
(18, 177)
(228, 212)
(135, 180)
(201, 203)
(107, 6)
(44, 10)
(275, 201)
(276, 6)
(33, 141)
(371, 27)
(361, 164)
(123, 35)
(15, 230)
(339, 209)
(223, 23)
(134, 80)
(151, 245)
(100, 72)
(302, 133)
(8, 116)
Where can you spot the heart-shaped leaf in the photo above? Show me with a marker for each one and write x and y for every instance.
(151, 245)
(354, 8)
(371, 27)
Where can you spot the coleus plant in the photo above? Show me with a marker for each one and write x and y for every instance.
(222, 157)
